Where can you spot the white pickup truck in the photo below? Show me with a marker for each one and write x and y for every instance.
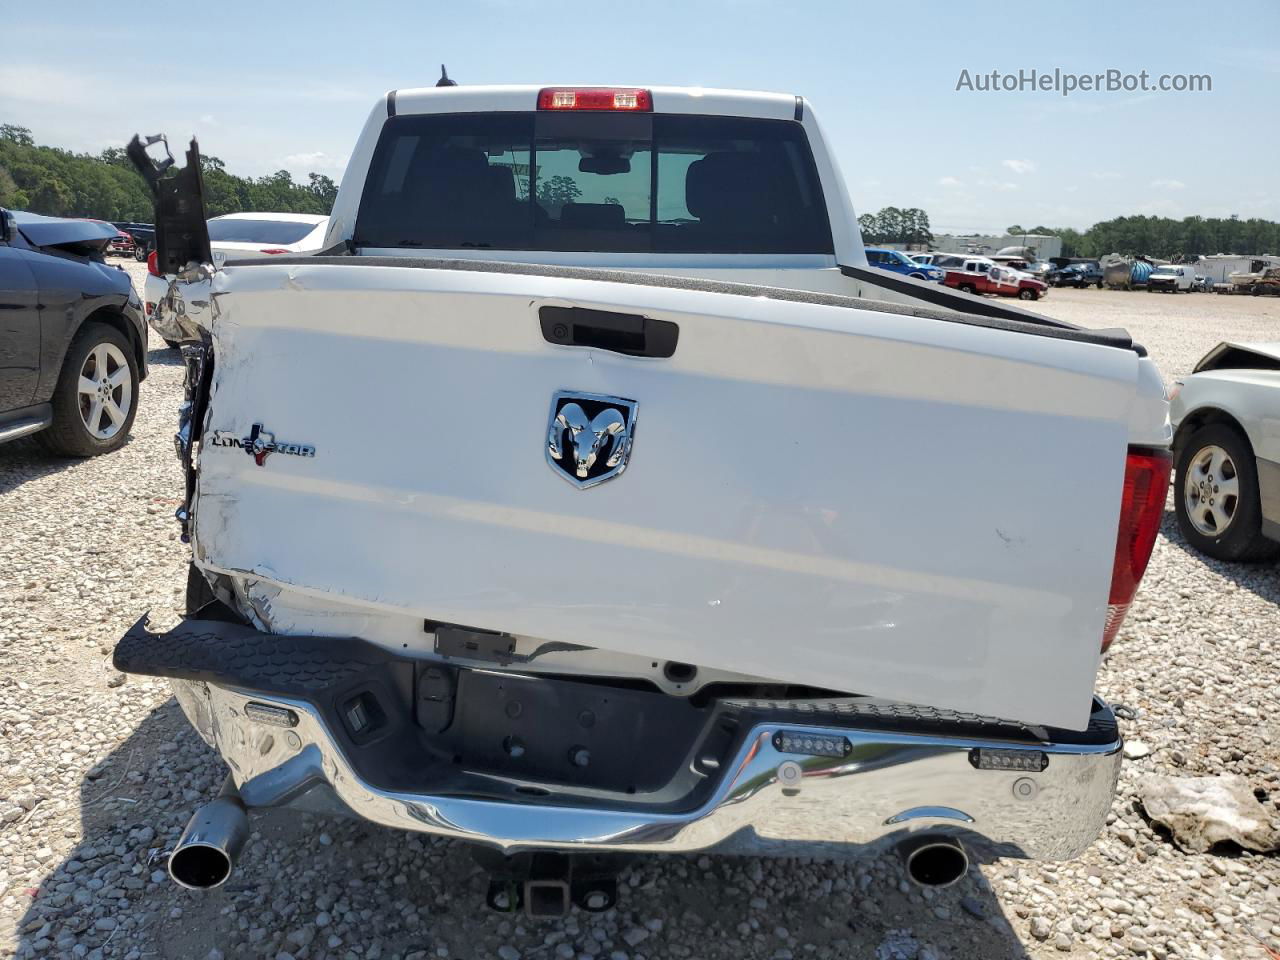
(589, 495)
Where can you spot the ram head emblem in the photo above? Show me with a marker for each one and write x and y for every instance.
(589, 438)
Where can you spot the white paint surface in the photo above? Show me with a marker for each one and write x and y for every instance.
(882, 504)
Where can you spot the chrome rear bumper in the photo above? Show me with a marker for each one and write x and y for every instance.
(1029, 797)
(889, 784)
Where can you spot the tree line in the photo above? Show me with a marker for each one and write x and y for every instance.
(1169, 239)
(1161, 237)
(896, 225)
(60, 183)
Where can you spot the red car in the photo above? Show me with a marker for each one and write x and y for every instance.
(121, 244)
(1003, 282)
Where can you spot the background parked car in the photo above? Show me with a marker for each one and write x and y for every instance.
(239, 235)
(1227, 452)
(143, 234)
(955, 261)
(1027, 266)
(974, 263)
(74, 338)
(1172, 278)
(121, 244)
(1077, 275)
(252, 234)
(895, 261)
(974, 276)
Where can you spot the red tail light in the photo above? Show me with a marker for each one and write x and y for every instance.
(626, 99)
(274, 250)
(1146, 482)
(153, 267)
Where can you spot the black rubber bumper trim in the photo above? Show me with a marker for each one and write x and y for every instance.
(311, 668)
(239, 656)
(870, 713)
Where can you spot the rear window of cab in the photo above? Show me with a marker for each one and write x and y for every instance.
(600, 182)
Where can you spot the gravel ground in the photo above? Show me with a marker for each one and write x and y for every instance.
(98, 774)
(1177, 329)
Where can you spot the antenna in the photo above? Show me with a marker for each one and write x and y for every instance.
(444, 80)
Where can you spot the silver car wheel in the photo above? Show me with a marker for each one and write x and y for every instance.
(1211, 490)
(105, 391)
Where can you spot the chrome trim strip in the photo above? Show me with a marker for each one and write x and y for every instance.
(930, 813)
(889, 784)
(23, 428)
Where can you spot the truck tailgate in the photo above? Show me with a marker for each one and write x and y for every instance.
(883, 504)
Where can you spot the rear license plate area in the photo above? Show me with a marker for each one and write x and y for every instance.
(573, 733)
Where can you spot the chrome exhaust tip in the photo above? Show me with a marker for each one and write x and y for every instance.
(209, 847)
(934, 860)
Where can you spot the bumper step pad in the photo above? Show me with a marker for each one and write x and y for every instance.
(227, 653)
(241, 656)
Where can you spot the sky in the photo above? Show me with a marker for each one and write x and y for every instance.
(269, 86)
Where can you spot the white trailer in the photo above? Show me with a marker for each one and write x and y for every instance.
(1218, 267)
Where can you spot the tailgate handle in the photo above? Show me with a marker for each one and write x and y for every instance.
(627, 333)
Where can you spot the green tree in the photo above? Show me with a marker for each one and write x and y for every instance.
(116, 157)
(1190, 237)
(16, 134)
(61, 183)
(11, 196)
(556, 191)
(322, 188)
(870, 228)
(896, 225)
(916, 227)
(889, 224)
(51, 194)
(1072, 241)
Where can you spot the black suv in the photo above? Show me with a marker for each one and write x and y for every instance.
(73, 340)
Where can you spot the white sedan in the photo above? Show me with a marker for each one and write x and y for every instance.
(240, 235)
(1226, 446)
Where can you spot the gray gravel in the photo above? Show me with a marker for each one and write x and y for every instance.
(98, 776)
(1177, 329)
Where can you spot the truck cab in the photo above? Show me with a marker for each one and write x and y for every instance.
(728, 185)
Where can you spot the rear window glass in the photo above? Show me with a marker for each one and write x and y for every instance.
(593, 182)
(258, 231)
